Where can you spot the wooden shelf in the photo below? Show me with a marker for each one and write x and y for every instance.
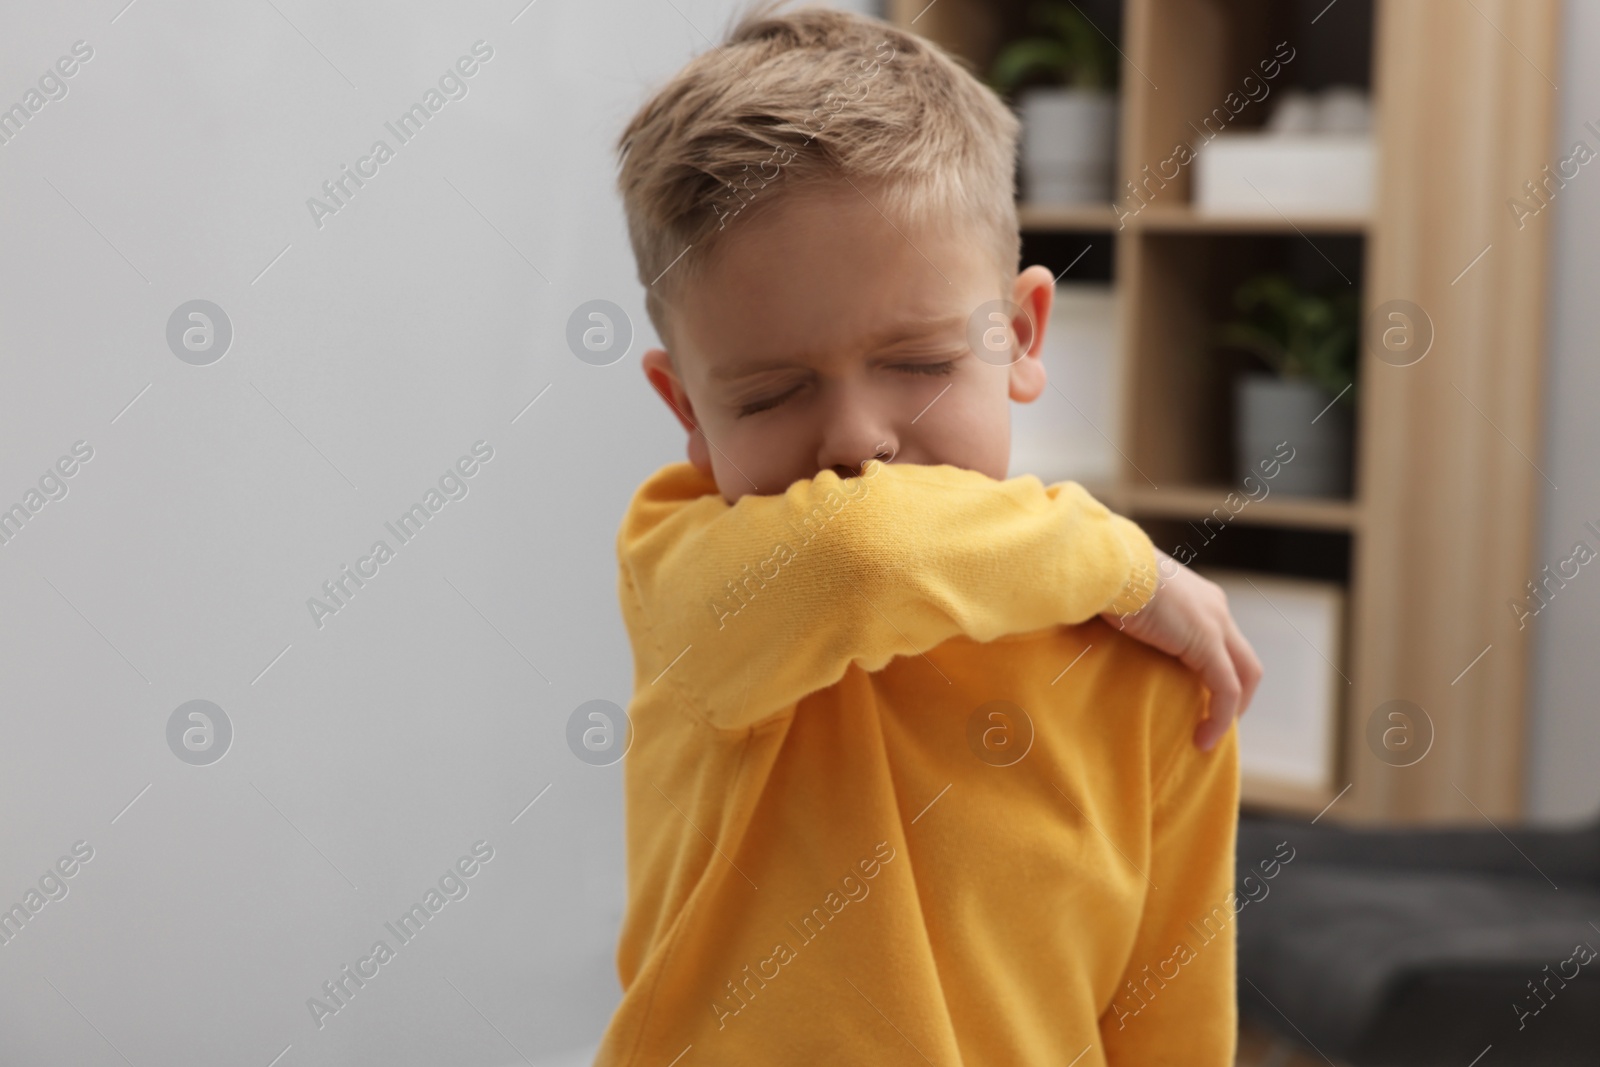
(1056, 218)
(1187, 220)
(1198, 502)
(1048, 218)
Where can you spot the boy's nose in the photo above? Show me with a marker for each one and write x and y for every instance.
(856, 429)
(882, 450)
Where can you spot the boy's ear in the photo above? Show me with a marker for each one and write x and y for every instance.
(1034, 292)
(658, 369)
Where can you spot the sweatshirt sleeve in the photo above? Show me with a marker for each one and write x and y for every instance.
(1176, 1004)
(753, 606)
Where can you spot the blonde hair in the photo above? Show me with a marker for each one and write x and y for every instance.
(802, 99)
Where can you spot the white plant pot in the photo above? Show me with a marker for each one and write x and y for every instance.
(1269, 411)
(1069, 141)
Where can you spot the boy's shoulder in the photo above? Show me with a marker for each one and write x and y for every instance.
(1170, 700)
(1134, 689)
(1111, 657)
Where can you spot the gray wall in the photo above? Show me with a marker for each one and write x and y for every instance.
(1564, 750)
(368, 755)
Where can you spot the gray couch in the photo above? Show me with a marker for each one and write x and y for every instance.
(1403, 947)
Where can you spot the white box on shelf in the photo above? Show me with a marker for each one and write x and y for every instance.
(1066, 434)
(1268, 173)
(1289, 735)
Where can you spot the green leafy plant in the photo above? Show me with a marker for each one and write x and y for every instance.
(1070, 52)
(1300, 335)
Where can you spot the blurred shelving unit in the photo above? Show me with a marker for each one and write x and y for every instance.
(1074, 218)
(1198, 502)
(1439, 536)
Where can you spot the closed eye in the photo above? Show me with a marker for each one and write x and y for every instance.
(758, 406)
(929, 368)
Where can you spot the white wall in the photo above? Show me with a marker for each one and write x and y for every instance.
(1564, 751)
(426, 714)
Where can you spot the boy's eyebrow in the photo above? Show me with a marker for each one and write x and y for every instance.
(903, 331)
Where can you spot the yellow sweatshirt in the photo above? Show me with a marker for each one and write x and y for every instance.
(896, 795)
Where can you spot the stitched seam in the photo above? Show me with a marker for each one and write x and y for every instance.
(686, 703)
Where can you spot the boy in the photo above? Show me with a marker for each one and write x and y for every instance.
(897, 791)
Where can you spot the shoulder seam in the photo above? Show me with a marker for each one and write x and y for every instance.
(685, 699)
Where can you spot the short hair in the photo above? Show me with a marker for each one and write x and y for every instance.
(799, 100)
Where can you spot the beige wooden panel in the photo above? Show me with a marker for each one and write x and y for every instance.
(1448, 445)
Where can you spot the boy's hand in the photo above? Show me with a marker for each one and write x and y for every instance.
(1188, 618)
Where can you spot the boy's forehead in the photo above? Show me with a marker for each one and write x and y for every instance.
(736, 362)
(825, 276)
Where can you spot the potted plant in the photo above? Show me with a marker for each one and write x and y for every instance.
(1309, 342)
(1067, 105)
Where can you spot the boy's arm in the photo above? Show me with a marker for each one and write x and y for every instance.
(755, 605)
(1176, 1004)
(1190, 621)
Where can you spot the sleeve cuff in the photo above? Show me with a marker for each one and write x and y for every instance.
(1143, 579)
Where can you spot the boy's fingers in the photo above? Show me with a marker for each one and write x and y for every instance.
(1220, 677)
(1248, 666)
(1209, 732)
